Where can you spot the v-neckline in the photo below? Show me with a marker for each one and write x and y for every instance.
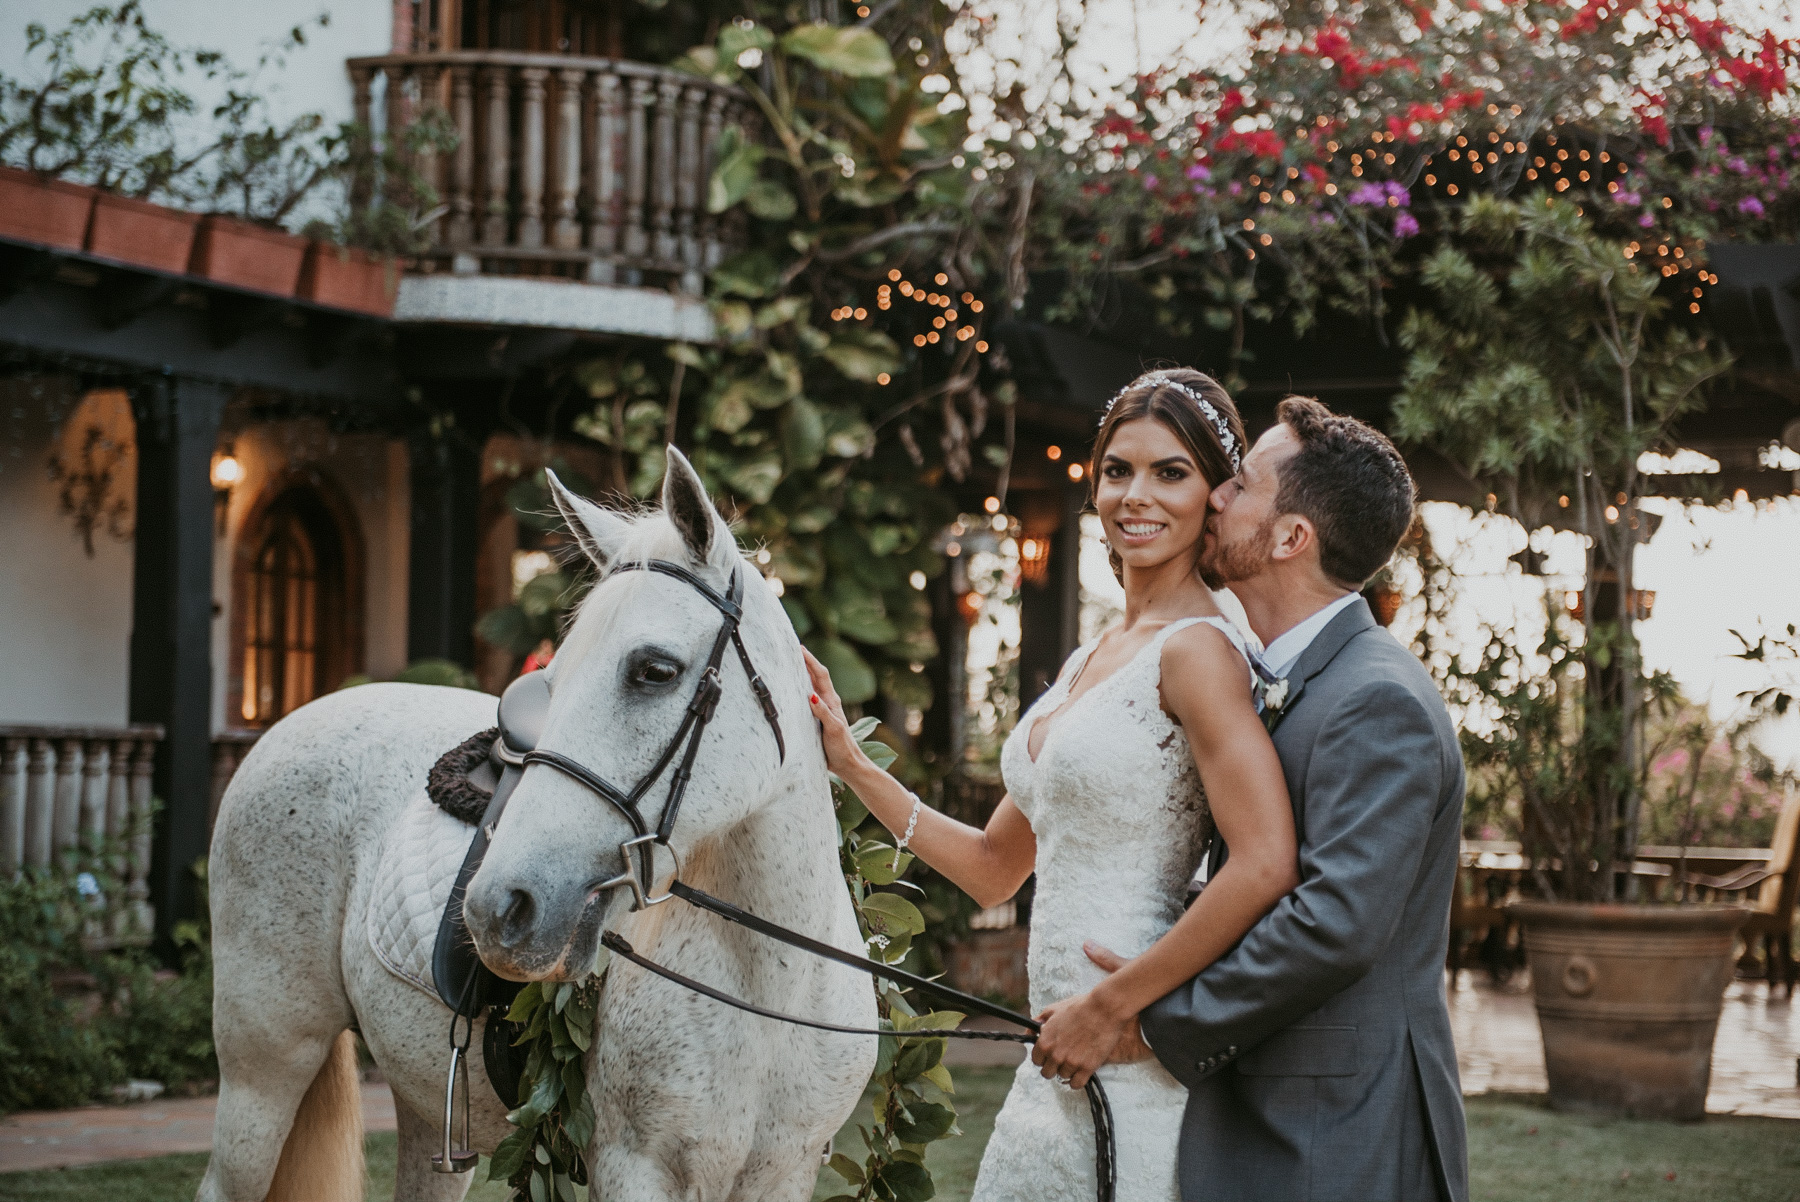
(1069, 703)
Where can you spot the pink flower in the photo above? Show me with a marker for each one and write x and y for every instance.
(1646, 221)
(1199, 171)
(1751, 205)
(1405, 224)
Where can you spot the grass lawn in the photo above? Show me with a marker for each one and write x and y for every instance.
(1518, 1152)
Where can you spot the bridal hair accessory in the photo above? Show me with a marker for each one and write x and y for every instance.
(1161, 380)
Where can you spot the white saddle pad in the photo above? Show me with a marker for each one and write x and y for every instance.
(418, 865)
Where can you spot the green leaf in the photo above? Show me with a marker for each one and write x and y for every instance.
(908, 1182)
(802, 434)
(939, 1076)
(846, 1168)
(735, 38)
(770, 201)
(509, 1155)
(891, 914)
(752, 274)
(928, 1121)
(874, 860)
(862, 355)
(850, 673)
(918, 1057)
(755, 479)
(862, 728)
(739, 160)
(847, 49)
(526, 1004)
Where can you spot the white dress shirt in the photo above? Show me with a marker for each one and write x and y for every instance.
(1281, 655)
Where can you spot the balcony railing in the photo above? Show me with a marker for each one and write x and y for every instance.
(590, 169)
(62, 787)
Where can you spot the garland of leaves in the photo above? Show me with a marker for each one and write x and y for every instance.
(544, 1158)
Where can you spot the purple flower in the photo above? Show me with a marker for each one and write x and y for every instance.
(1738, 165)
(1150, 183)
(1199, 171)
(1397, 195)
(1368, 194)
(1706, 135)
(1405, 225)
(1646, 221)
(1236, 189)
(1751, 205)
(1629, 198)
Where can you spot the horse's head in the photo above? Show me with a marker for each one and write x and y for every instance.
(620, 689)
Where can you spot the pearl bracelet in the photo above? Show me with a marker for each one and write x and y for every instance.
(912, 824)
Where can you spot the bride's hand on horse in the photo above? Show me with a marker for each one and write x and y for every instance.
(842, 753)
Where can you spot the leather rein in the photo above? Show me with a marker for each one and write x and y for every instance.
(700, 711)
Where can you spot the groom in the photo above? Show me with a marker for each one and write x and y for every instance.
(1317, 1052)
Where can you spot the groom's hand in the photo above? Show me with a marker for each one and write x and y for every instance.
(1131, 1047)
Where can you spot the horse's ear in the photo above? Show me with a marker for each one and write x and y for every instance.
(598, 532)
(684, 500)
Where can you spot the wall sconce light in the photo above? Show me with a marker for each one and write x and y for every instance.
(227, 472)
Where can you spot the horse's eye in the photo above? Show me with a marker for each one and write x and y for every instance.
(658, 672)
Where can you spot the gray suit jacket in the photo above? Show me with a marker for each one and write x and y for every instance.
(1317, 1052)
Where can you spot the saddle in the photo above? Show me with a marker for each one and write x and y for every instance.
(472, 782)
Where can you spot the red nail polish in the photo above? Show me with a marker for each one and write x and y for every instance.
(815, 699)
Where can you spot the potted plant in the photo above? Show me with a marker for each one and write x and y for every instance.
(1628, 994)
(48, 212)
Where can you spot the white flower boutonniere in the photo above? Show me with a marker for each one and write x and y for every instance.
(1274, 699)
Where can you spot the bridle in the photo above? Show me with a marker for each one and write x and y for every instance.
(700, 711)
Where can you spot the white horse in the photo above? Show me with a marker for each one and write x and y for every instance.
(694, 1101)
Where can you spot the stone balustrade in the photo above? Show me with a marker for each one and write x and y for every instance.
(587, 169)
(62, 787)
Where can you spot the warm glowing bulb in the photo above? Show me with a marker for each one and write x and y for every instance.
(992, 504)
(1076, 471)
(226, 471)
(1053, 452)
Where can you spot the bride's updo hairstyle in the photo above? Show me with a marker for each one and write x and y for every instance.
(1192, 405)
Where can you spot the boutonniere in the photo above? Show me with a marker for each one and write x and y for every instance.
(1273, 694)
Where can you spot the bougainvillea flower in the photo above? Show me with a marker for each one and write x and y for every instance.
(1199, 171)
(1751, 206)
(1405, 224)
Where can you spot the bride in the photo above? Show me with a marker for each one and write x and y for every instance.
(1109, 776)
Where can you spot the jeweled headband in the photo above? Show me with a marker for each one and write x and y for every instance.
(1226, 438)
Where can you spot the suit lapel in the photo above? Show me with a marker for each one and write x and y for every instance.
(1355, 619)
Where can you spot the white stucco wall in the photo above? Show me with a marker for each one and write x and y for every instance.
(314, 79)
(65, 619)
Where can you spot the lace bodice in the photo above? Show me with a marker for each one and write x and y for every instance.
(1118, 810)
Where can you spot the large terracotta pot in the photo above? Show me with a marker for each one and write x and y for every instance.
(248, 256)
(344, 278)
(141, 233)
(1628, 999)
(49, 212)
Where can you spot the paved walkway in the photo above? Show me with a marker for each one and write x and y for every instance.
(1755, 1062)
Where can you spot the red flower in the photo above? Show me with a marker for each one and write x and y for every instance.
(1261, 143)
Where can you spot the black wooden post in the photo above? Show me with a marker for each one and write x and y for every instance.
(446, 496)
(941, 736)
(1050, 613)
(171, 627)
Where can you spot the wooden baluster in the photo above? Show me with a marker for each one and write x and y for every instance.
(40, 803)
(565, 233)
(66, 825)
(711, 254)
(637, 177)
(531, 155)
(96, 761)
(118, 823)
(606, 197)
(431, 166)
(689, 189)
(459, 230)
(497, 149)
(140, 918)
(12, 806)
(663, 167)
(361, 78)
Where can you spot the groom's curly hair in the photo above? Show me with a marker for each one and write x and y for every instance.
(1350, 483)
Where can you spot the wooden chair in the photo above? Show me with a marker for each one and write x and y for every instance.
(1777, 889)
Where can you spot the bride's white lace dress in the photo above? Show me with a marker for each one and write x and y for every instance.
(1121, 824)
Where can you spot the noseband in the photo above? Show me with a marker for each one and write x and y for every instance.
(700, 711)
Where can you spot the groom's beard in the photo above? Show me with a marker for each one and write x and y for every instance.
(1225, 563)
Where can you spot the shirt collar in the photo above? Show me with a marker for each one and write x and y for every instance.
(1282, 654)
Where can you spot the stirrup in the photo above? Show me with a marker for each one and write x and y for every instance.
(456, 1158)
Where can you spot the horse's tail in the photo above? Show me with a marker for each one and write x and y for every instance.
(323, 1156)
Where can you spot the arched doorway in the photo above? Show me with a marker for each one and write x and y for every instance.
(296, 604)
